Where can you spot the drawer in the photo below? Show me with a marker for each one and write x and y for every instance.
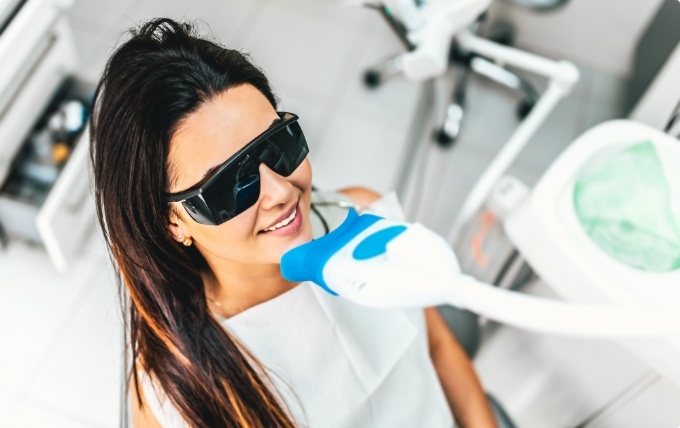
(29, 89)
(67, 217)
(52, 206)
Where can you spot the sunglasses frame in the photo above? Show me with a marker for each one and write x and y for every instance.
(286, 119)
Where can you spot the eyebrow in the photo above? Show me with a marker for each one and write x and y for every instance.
(211, 170)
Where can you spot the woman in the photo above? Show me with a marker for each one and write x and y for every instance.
(201, 186)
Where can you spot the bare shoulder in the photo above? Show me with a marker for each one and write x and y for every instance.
(362, 196)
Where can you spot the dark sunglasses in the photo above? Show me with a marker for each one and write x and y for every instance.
(234, 186)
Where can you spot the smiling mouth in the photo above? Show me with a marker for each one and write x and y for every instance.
(283, 223)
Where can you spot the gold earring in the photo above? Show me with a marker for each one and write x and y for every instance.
(187, 242)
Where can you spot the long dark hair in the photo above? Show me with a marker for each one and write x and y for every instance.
(163, 73)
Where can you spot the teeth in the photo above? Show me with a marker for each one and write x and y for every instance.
(282, 223)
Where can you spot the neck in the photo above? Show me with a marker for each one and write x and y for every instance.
(237, 287)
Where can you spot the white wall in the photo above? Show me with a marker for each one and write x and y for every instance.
(657, 104)
(601, 34)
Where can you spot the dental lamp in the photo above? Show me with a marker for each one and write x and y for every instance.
(387, 264)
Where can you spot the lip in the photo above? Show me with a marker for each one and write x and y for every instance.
(283, 217)
(290, 230)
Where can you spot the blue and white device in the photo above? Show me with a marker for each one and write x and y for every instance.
(377, 262)
(366, 256)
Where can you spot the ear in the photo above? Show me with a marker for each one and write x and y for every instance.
(177, 225)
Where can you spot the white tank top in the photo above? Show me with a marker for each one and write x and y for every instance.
(335, 363)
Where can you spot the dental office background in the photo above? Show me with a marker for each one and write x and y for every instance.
(332, 62)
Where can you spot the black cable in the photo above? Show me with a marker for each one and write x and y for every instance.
(323, 220)
(505, 267)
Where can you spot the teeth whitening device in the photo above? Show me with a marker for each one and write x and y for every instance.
(377, 262)
(386, 264)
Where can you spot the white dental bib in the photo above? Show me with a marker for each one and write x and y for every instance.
(335, 363)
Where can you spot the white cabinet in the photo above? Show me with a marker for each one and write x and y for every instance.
(38, 55)
(68, 214)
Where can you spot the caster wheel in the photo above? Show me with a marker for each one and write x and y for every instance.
(372, 79)
(443, 138)
(524, 108)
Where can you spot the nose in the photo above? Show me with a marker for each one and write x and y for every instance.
(274, 189)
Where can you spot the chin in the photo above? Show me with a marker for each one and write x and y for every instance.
(304, 237)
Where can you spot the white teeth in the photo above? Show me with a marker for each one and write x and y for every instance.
(282, 223)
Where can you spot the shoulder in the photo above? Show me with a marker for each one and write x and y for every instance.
(362, 196)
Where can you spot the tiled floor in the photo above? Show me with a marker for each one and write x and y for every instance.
(68, 373)
(61, 341)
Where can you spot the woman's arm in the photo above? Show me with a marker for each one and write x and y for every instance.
(457, 375)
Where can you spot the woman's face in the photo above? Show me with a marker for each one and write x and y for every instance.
(208, 137)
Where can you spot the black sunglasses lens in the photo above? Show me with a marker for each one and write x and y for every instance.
(219, 197)
(198, 210)
(233, 192)
(285, 150)
(237, 187)
(246, 193)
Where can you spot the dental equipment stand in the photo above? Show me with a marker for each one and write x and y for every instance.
(467, 62)
(562, 75)
(427, 33)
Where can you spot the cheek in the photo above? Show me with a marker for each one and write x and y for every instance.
(302, 176)
(215, 241)
(229, 240)
(234, 239)
(303, 180)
